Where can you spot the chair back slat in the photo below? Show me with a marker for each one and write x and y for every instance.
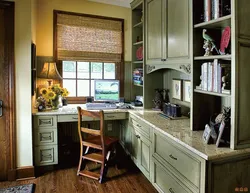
(90, 131)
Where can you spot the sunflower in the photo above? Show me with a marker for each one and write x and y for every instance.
(44, 91)
(51, 95)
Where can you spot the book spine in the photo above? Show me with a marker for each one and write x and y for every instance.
(215, 87)
(219, 78)
(209, 82)
(216, 9)
(205, 76)
(207, 10)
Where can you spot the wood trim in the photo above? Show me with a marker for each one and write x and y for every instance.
(25, 173)
(9, 59)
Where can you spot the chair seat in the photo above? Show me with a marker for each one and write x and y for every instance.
(108, 141)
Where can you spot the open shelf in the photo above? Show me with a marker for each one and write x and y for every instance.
(222, 57)
(138, 62)
(138, 43)
(138, 24)
(212, 93)
(221, 22)
(138, 85)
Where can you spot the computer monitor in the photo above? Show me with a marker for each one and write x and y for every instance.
(106, 90)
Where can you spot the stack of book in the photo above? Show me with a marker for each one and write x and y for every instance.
(214, 9)
(138, 76)
(215, 77)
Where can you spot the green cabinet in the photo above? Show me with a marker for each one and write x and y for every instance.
(141, 151)
(125, 135)
(168, 35)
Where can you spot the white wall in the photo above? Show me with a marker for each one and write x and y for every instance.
(23, 37)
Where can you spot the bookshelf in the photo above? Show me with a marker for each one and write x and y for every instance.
(137, 8)
(207, 103)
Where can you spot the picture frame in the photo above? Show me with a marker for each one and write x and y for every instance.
(187, 91)
(221, 129)
(206, 134)
(177, 89)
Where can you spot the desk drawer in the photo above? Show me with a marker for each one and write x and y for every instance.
(165, 181)
(46, 155)
(139, 125)
(174, 156)
(107, 116)
(45, 121)
(46, 137)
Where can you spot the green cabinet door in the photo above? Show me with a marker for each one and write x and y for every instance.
(178, 29)
(145, 156)
(135, 147)
(155, 28)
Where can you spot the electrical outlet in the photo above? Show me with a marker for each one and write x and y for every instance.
(109, 126)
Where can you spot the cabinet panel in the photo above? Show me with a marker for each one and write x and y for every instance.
(154, 30)
(45, 136)
(135, 148)
(46, 155)
(164, 181)
(243, 122)
(175, 157)
(145, 156)
(45, 121)
(178, 28)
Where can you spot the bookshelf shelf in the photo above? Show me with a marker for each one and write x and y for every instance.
(221, 22)
(212, 93)
(138, 62)
(138, 25)
(222, 57)
(138, 43)
(138, 85)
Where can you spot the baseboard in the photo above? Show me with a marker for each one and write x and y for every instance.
(25, 173)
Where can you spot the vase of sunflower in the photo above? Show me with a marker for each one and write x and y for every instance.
(53, 95)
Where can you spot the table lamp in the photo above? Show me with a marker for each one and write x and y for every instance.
(49, 71)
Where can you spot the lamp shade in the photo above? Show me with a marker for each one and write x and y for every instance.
(49, 71)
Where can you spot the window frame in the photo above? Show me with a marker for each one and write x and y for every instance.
(119, 66)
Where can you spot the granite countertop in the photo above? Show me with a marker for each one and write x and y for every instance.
(178, 130)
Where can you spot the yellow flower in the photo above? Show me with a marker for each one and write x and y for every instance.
(44, 91)
(51, 95)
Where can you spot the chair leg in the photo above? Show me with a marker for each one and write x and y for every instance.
(82, 164)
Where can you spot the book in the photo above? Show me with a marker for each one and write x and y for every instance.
(207, 10)
(215, 66)
(204, 76)
(210, 77)
(220, 8)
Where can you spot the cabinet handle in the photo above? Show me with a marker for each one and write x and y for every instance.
(172, 157)
(46, 122)
(138, 125)
(163, 60)
(46, 138)
(47, 156)
(171, 190)
(109, 116)
(74, 117)
(138, 136)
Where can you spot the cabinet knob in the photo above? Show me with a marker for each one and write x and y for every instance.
(138, 136)
(163, 60)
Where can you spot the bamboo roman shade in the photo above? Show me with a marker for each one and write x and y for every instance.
(86, 38)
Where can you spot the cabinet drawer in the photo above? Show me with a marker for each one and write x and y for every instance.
(175, 157)
(46, 137)
(46, 155)
(45, 121)
(165, 181)
(139, 125)
(107, 116)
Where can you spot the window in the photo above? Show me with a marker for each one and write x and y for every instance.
(96, 39)
(78, 77)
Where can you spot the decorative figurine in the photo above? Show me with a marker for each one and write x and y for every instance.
(209, 45)
(158, 100)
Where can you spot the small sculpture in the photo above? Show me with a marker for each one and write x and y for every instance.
(209, 45)
(158, 100)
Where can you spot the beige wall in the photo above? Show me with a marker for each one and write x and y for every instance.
(23, 37)
(45, 21)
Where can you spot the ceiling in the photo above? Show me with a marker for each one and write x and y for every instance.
(122, 3)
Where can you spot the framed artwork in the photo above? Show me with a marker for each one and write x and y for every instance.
(187, 91)
(206, 134)
(176, 89)
(221, 129)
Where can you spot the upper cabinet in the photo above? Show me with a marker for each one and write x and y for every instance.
(168, 35)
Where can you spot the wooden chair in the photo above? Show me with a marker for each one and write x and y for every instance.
(96, 140)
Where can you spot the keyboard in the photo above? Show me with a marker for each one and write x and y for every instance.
(100, 106)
